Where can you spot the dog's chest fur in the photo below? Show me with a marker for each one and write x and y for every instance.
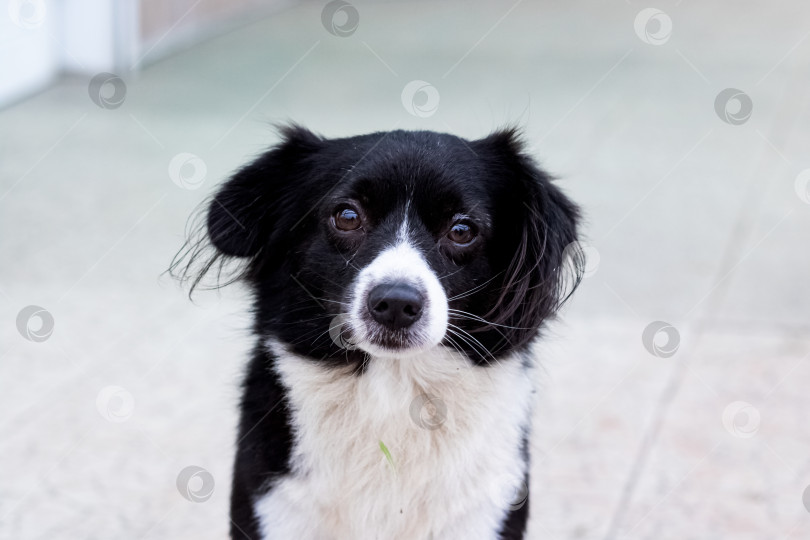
(451, 475)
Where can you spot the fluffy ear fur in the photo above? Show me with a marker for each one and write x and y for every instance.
(252, 213)
(544, 223)
(248, 209)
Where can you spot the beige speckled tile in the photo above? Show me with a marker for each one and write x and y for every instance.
(598, 394)
(731, 459)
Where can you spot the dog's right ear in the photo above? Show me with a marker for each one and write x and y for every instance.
(248, 208)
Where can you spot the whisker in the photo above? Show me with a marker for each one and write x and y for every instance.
(307, 336)
(473, 317)
(319, 317)
(470, 340)
(451, 273)
(473, 290)
(466, 342)
(346, 304)
(454, 345)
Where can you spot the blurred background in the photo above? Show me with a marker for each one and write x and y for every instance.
(674, 398)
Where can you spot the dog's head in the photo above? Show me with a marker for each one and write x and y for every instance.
(395, 243)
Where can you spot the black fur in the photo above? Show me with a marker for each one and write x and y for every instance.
(514, 526)
(269, 225)
(263, 447)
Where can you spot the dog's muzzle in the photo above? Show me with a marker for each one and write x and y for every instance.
(398, 305)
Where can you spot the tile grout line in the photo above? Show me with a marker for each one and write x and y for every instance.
(647, 443)
(674, 384)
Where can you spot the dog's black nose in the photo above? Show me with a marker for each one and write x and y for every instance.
(395, 305)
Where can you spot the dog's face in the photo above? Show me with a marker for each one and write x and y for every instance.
(394, 243)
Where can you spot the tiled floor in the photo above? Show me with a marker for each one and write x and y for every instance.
(696, 222)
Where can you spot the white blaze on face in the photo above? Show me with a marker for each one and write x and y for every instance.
(401, 263)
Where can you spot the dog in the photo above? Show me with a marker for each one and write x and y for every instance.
(399, 280)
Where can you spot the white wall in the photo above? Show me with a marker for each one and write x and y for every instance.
(28, 59)
(41, 38)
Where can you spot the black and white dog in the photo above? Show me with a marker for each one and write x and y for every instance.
(399, 280)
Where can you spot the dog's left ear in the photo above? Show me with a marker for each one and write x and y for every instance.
(252, 213)
(250, 207)
(543, 222)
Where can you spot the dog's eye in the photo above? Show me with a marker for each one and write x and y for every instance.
(347, 219)
(462, 232)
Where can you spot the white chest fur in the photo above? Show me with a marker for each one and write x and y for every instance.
(455, 452)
